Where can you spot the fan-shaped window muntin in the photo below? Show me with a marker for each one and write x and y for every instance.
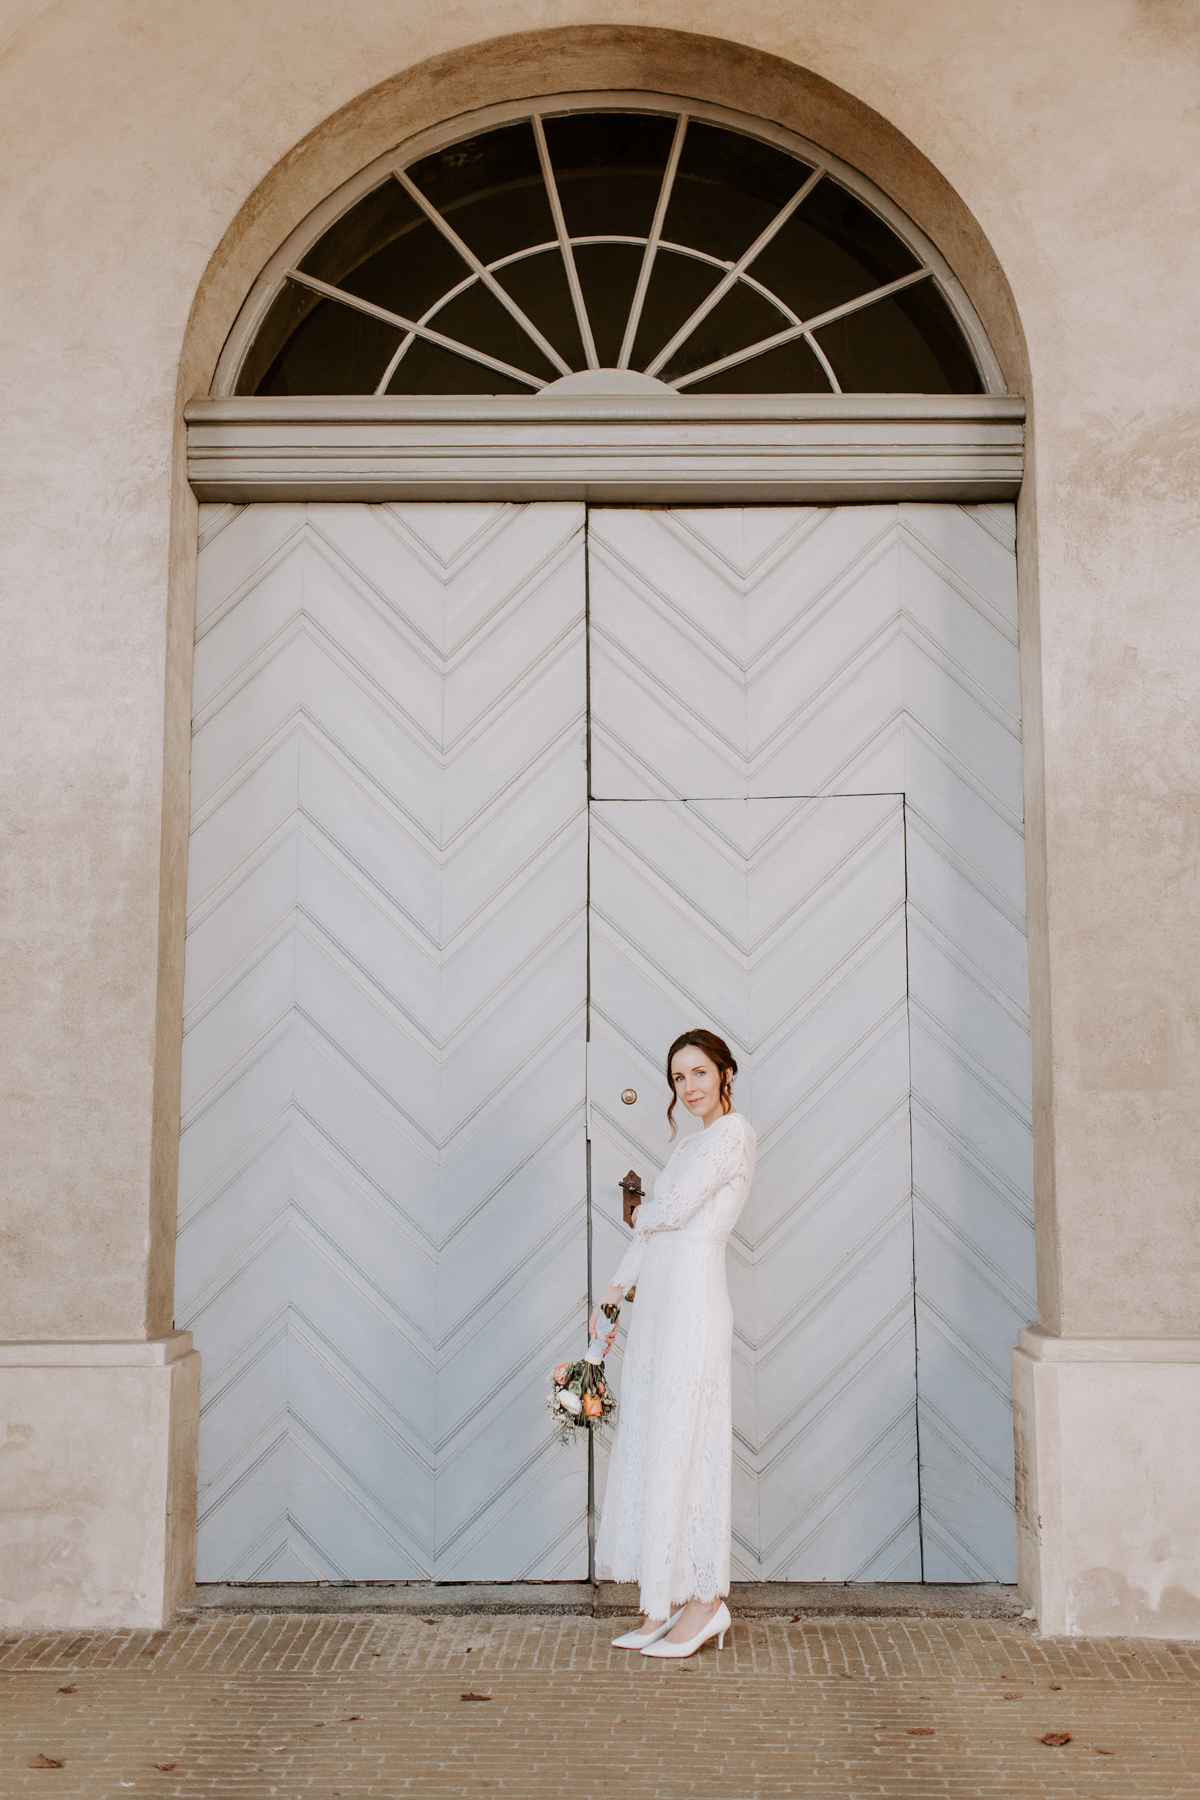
(501, 292)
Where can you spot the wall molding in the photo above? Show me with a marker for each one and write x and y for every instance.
(730, 449)
(90, 1353)
(1047, 1346)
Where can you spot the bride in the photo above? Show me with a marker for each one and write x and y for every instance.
(666, 1520)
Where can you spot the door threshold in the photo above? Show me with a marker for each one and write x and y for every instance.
(431, 1600)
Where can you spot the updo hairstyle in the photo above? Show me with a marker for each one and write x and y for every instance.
(718, 1051)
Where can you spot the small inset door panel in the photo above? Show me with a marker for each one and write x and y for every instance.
(780, 925)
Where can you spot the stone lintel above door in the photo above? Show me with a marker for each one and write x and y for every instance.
(628, 449)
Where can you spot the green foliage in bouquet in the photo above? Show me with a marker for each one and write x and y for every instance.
(580, 1399)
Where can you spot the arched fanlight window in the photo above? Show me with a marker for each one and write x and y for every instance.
(673, 245)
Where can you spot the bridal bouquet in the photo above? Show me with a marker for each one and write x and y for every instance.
(580, 1398)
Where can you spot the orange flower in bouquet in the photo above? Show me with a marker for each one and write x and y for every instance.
(593, 1406)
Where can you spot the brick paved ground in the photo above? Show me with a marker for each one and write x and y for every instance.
(349, 1707)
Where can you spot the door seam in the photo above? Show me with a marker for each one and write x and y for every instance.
(912, 1200)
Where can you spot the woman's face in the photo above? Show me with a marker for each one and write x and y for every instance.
(697, 1081)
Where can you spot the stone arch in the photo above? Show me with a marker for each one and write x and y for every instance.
(718, 71)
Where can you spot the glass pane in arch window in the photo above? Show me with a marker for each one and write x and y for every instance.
(740, 318)
(832, 250)
(363, 231)
(489, 189)
(790, 369)
(727, 190)
(428, 369)
(677, 286)
(328, 348)
(538, 284)
(290, 307)
(608, 275)
(477, 319)
(909, 343)
(407, 272)
(609, 168)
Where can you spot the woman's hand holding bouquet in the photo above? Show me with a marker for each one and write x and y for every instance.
(580, 1397)
(609, 1304)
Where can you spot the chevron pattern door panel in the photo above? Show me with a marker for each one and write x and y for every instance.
(780, 923)
(841, 651)
(745, 652)
(969, 1011)
(382, 1172)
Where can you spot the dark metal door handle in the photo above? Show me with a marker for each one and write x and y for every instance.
(632, 1194)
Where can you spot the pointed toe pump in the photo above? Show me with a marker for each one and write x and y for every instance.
(637, 1640)
(717, 1626)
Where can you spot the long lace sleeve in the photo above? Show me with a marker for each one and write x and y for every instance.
(719, 1155)
(630, 1266)
(718, 1159)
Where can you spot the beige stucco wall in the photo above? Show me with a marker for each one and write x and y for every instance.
(152, 164)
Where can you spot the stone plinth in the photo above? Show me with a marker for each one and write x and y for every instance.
(1108, 1483)
(97, 1482)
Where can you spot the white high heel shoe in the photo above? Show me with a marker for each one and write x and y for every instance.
(717, 1626)
(637, 1640)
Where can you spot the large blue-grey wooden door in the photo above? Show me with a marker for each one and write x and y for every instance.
(805, 830)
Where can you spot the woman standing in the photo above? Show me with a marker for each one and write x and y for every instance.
(666, 1520)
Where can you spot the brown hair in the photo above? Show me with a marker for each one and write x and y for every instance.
(718, 1050)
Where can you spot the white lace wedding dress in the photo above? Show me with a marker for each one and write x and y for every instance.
(666, 1518)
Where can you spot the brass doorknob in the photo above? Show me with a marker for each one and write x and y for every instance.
(629, 1095)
